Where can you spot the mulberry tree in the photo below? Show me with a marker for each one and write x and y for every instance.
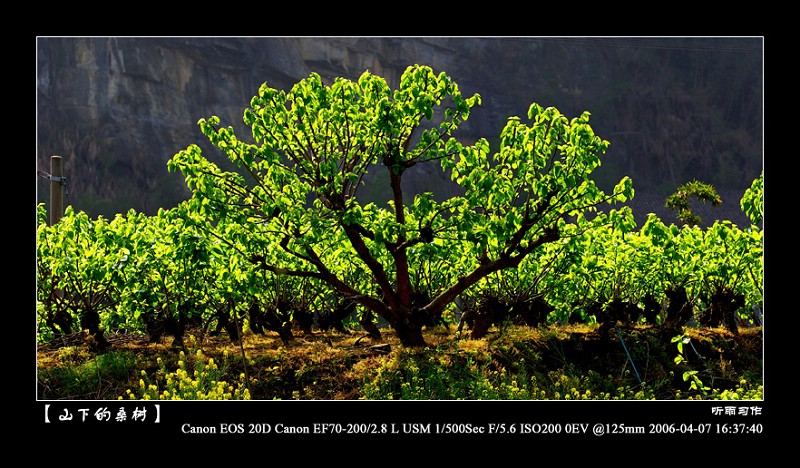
(297, 184)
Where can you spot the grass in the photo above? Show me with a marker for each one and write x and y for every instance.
(515, 362)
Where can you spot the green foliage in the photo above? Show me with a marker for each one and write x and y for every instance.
(752, 202)
(679, 201)
(173, 259)
(80, 267)
(690, 375)
(613, 263)
(173, 276)
(733, 260)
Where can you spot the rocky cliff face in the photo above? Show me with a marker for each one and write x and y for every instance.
(116, 109)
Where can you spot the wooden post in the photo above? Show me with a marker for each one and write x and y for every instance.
(56, 190)
(56, 200)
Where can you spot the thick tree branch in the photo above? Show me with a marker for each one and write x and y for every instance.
(528, 221)
(378, 272)
(440, 302)
(400, 257)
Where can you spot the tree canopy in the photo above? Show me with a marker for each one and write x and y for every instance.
(294, 200)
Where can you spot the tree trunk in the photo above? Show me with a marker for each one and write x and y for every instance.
(406, 324)
(90, 323)
(679, 311)
(410, 334)
(369, 326)
(724, 306)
